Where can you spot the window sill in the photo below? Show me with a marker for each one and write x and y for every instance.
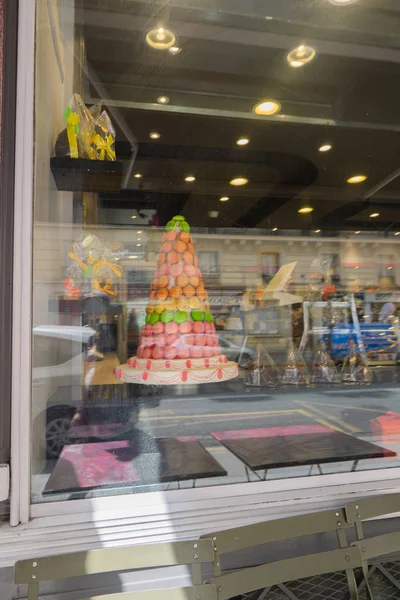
(159, 517)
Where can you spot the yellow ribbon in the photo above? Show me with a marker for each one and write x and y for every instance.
(72, 121)
(74, 257)
(103, 146)
(114, 268)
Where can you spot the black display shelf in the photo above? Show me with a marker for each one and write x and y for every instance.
(84, 175)
(78, 306)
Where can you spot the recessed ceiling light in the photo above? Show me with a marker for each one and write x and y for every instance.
(357, 179)
(175, 50)
(374, 215)
(300, 56)
(162, 99)
(275, 229)
(305, 210)
(356, 267)
(267, 107)
(138, 245)
(160, 38)
(325, 148)
(139, 232)
(397, 233)
(389, 268)
(357, 232)
(134, 217)
(155, 135)
(317, 231)
(224, 199)
(213, 214)
(341, 2)
(190, 178)
(242, 141)
(239, 181)
(138, 175)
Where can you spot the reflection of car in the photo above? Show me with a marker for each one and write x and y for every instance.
(58, 368)
(239, 354)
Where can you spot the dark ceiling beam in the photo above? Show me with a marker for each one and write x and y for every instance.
(339, 215)
(123, 21)
(302, 173)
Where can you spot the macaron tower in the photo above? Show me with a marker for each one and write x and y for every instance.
(178, 343)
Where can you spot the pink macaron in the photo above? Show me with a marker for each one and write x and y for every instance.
(200, 339)
(158, 328)
(185, 327)
(172, 339)
(183, 352)
(170, 352)
(196, 352)
(158, 353)
(198, 327)
(160, 340)
(171, 327)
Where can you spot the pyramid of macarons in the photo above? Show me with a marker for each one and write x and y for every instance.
(178, 343)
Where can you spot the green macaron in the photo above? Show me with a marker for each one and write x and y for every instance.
(180, 316)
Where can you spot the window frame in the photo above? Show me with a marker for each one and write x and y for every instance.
(127, 518)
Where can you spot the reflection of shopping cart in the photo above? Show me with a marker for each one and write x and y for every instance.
(380, 340)
(381, 343)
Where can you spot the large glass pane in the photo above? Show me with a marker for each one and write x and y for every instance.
(216, 260)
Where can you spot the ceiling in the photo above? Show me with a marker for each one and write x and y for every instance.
(231, 58)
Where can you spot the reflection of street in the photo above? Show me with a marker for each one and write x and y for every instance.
(341, 409)
(196, 414)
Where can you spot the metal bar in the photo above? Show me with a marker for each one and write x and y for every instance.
(8, 100)
(280, 529)
(373, 507)
(287, 592)
(379, 545)
(388, 576)
(33, 591)
(254, 578)
(200, 592)
(236, 114)
(113, 559)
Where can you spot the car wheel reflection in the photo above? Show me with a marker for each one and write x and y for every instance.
(57, 435)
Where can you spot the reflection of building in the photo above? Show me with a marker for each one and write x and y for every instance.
(235, 263)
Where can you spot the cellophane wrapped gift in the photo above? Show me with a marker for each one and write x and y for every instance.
(89, 133)
(104, 138)
(295, 370)
(355, 369)
(93, 270)
(324, 369)
(263, 371)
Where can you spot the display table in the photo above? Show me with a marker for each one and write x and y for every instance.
(279, 447)
(150, 461)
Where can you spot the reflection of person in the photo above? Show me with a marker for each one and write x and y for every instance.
(297, 323)
(387, 310)
(133, 331)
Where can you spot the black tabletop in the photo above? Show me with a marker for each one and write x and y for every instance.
(303, 449)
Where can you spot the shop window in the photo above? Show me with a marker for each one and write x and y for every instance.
(214, 246)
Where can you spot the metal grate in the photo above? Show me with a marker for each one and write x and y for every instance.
(381, 587)
(384, 581)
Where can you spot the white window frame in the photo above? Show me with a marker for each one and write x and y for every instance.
(52, 527)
